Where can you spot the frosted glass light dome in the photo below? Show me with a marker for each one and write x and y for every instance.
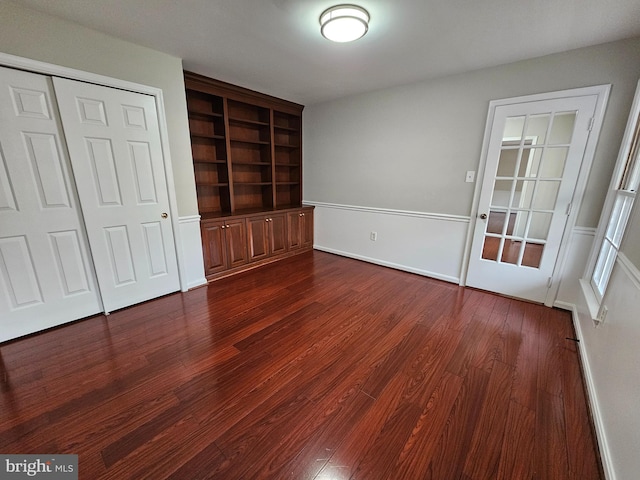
(344, 23)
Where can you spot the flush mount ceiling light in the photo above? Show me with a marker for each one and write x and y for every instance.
(344, 23)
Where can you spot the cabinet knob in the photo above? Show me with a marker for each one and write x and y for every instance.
(164, 215)
(222, 226)
(483, 216)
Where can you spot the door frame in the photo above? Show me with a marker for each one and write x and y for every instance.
(44, 68)
(602, 92)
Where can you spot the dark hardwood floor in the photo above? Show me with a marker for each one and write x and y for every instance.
(318, 367)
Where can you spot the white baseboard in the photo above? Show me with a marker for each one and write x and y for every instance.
(192, 251)
(594, 405)
(396, 266)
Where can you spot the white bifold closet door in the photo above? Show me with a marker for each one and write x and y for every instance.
(45, 270)
(84, 212)
(116, 154)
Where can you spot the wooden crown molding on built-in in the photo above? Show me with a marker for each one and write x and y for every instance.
(235, 92)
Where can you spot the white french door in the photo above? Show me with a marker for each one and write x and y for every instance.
(45, 270)
(533, 161)
(115, 148)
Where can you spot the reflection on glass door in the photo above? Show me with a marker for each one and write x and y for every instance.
(531, 164)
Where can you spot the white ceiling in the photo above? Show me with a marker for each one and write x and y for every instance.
(275, 46)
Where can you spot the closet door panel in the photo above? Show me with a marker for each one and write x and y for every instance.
(46, 276)
(114, 143)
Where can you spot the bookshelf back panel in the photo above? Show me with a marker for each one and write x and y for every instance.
(205, 150)
(210, 173)
(198, 102)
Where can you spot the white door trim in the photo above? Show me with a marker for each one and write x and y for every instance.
(36, 66)
(602, 93)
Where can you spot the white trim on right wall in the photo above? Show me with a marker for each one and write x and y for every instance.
(609, 357)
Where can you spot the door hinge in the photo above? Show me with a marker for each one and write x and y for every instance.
(549, 282)
(569, 208)
(591, 122)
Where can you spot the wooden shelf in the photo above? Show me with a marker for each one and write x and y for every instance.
(252, 184)
(287, 129)
(282, 145)
(212, 185)
(244, 121)
(209, 161)
(204, 115)
(258, 164)
(250, 142)
(287, 165)
(212, 136)
(245, 146)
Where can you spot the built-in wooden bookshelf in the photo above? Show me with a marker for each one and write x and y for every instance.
(247, 155)
(246, 148)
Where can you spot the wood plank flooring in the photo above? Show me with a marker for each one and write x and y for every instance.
(318, 367)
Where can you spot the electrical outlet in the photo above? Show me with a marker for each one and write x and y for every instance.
(373, 236)
(602, 314)
(471, 176)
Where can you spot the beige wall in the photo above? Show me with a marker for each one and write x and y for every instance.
(408, 147)
(37, 36)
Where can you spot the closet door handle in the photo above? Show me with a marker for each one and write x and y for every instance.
(164, 215)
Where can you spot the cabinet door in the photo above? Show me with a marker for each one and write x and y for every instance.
(258, 237)
(278, 234)
(235, 234)
(293, 220)
(306, 229)
(215, 258)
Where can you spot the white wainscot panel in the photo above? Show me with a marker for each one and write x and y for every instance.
(573, 266)
(610, 359)
(192, 250)
(423, 243)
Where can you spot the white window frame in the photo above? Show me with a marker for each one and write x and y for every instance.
(615, 214)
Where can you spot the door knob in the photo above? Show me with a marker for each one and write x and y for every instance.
(164, 215)
(483, 216)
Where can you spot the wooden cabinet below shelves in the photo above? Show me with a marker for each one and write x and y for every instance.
(267, 235)
(300, 229)
(241, 242)
(224, 245)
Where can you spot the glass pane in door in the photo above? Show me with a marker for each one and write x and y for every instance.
(525, 194)
(562, 129)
